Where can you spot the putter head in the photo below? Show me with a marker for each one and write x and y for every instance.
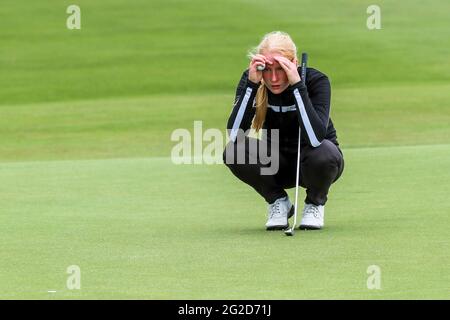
(289, 232)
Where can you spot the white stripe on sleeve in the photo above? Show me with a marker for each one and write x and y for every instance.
(240, 114)
(309, 130)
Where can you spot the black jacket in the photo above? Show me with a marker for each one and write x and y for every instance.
(307, 105)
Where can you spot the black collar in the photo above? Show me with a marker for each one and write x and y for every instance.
(285, 98)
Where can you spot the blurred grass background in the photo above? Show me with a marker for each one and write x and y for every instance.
(138, 69)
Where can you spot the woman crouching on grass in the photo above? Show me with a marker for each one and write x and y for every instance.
(277, 98)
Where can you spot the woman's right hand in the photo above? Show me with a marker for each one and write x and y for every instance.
(254, 75)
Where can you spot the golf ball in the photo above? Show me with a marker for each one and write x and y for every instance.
(260, 67)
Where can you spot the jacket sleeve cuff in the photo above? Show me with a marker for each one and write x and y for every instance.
(299, 85)
(252, 85)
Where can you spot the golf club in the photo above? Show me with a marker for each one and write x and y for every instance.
(291, 230)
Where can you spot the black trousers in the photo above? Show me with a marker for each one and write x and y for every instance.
(320, 167)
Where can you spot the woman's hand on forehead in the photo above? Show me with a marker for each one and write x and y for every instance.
(290, 67)
(273, 57)
(270, 58)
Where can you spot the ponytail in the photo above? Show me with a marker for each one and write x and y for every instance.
(261, 107)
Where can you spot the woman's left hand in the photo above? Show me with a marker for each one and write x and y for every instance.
(290, 68)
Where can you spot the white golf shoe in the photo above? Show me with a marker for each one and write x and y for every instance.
(279, 213)
(313, 217)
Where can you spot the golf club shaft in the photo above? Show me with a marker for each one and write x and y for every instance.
(297, 179)
(303, 76)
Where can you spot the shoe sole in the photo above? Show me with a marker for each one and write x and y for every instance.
(274, 228)
(306, 227)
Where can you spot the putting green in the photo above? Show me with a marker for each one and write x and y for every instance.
(146, 228)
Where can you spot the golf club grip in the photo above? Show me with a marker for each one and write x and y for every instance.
(304, 64)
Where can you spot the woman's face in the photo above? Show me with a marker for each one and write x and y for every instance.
(274, 76)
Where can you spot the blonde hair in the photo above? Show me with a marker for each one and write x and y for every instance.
(276, 41)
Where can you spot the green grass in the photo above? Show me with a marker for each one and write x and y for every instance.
(137, 234)
(139, 127)
(129, 48)
(86, 179)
